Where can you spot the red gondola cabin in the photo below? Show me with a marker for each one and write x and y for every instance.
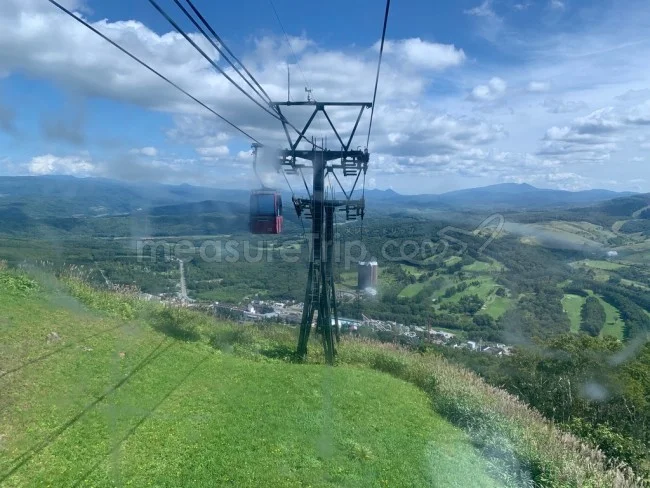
(266, 212)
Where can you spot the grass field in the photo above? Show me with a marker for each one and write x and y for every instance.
(600, 271)
(479, 271)
(484, 290)
(614, 325)
(572, 305)
(557, 235)
(494, 306)
(450, 261)
(412, 270)
(586, 230)
(635, 284)
(117, 403)
(483, 267)
(411, 290)
(349, 279)
(636, 252)
(638, 256)
(497, 306)
(599, 264)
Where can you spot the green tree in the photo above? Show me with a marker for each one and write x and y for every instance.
(593, 317)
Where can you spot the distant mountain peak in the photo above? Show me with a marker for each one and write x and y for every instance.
(520, 186)
(510, 188)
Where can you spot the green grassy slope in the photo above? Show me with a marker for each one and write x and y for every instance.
(134, 394)
(411, 290)
(115, 402)
(496, 306)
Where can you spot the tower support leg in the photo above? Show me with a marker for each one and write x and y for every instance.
(320, 295)
(313, 294)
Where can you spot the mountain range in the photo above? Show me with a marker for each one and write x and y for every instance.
(498, 197)
(62, 206)
(70, 196)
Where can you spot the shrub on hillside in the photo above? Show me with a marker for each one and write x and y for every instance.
(13, 283)
(616, 445)
(226, 338)
(179, 323)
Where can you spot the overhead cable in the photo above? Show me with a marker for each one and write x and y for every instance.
(286, 36)
(381, 52)
(223, 44)
(216, 46)
(209, 59)
(295, 58)
(216, 66)
(157, 73)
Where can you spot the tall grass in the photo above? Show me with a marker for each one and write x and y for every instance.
(525, 448)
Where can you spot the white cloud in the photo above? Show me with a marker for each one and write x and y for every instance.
(245, 156)
(557, 5)
(416, 130)
(560, 180)
(589, 139)
(478, 163)
(635, 95)
(145, 151)
(495, 89)
(562, 107)
(214, 151)
(639, 114)
(277, 47)
(597, 128)
(39, 40)
(490, 25)
(132, 167)
(482, 10)
(523, 5)
(198, 131)
(395, 138)
(426, 55)
(49, 164)
(538, 86)
(333, 74)
(600, 121)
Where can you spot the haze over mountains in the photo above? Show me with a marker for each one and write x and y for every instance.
(506, 195)
(68, 196)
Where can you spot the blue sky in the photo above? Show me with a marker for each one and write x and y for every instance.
(555, 93)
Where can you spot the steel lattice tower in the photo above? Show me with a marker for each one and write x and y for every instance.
(320, 295)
